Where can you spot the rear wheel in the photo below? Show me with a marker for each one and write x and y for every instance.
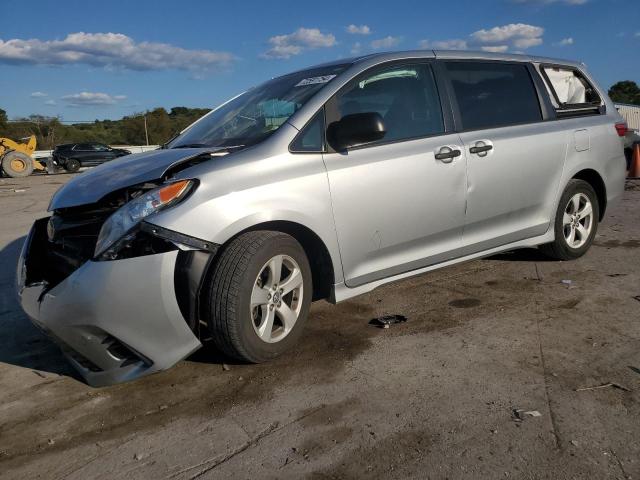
(72, 165)
(17, 164)
(259, 296)
(576, 222)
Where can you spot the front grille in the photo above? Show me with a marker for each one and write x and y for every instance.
(62, 243)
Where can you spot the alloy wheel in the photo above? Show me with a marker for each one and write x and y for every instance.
(276, 298)
(577, 221)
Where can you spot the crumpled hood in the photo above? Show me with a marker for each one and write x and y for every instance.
(92, 185)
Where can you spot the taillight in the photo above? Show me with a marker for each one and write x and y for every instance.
(622, 129)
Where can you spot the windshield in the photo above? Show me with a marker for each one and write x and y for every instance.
(254, 115)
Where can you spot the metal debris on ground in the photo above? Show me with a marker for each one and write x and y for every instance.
(604, 385)
(225, 367)
(634, 369)
(566, 282)
(386, 320)
(520, 414)
(637, 297)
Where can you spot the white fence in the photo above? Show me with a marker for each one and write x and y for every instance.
(631, 114)
(131, 148)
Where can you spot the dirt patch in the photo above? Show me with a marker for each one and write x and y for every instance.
(378, 458)
(465, 303)
(633, 243)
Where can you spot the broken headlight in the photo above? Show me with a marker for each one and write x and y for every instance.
(123, 221)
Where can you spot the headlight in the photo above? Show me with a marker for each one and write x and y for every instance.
(132, 213)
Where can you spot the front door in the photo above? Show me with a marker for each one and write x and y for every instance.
(398, 203)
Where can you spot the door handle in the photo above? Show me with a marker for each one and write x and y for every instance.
(481, 148)
(447, 154)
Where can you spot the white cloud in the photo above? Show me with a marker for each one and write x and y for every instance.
(356, 48)
(286, 46)
(495, 48)
(50, 102)
(564, 42)
(358, 29)
(38, 95)
(637, 34)
(84, 99)
(386, 42)
(453, 44)
(514, 36)
(514, 32)
(111, 50)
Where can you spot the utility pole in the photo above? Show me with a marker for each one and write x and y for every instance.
(146, 133)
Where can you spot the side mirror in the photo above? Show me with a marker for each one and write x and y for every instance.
(355, 129)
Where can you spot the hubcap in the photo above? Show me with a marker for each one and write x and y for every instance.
(18, 165)
(577, 220)
(276, 298)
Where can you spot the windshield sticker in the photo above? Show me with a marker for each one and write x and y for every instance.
(314, 80)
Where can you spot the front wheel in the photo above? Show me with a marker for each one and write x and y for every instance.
(17, 164)
(72, 165)
(576, 222)
(259, 296)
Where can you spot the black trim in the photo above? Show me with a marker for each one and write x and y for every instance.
(188, 279)
(302, 132)
(177, 237)
(546, 107)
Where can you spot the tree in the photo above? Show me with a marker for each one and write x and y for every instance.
(3, 119)
(626, 91)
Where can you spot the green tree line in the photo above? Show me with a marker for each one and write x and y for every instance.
(129, 130)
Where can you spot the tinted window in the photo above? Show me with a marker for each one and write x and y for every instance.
(405, 96)
(493, 94)
(99, 147)
(311, 138)
(83, 147)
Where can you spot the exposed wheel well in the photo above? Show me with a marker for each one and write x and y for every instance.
(594, 179)
(315, 249)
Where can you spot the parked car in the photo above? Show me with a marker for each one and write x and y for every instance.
(322, 184)
(72, 156)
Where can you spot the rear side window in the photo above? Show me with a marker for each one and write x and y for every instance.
(405, 96)
(493, 94)
(570, 89)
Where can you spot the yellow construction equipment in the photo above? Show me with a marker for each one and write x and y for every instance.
(16, 159)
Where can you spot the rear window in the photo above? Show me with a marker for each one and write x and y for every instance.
(493, 94)
(569, 89)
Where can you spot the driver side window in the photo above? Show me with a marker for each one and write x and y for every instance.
(405, 96)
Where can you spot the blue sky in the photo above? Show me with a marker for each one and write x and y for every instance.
(87, 59)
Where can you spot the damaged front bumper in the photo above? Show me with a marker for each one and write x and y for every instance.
(114, 320)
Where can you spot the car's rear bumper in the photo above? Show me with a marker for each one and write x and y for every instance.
(114, 320)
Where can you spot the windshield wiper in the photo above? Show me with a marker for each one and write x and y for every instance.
(193, 145)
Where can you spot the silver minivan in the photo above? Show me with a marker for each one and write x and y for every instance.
(322, 184)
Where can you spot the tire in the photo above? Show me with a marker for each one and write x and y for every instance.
(17, 164)
(71, 165)
(244, 272)
(583, 226)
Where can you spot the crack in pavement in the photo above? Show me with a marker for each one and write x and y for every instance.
(272, 428)
(552, 415)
